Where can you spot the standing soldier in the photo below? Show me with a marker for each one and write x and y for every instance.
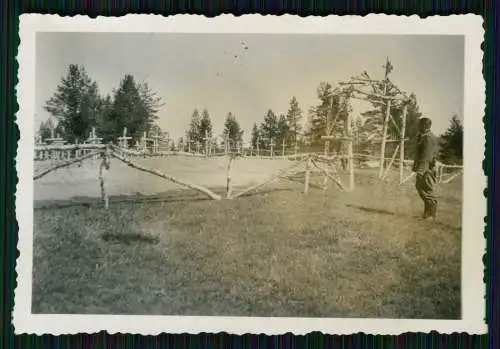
(426, 168)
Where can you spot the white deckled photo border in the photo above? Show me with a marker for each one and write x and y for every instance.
(474, 201)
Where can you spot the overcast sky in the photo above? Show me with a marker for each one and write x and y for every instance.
(200, 70)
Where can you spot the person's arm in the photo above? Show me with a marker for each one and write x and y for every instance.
(428, 152)
(418, 155)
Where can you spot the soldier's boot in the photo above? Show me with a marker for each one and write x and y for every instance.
(433, 209)
(426, 210)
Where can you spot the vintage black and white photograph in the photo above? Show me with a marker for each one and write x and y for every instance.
(244, 174)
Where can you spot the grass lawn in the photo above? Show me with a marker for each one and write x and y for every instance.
(275, 253)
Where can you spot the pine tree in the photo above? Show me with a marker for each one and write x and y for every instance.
(269, 129)
(451, 143)
(294, 120)
(256, 133)
(205, 126)
(72, 103)
(152, 102)
(193, 134)
(283, 131)
(327, 117)
(232, 131)
(48, 128)
(128, 111)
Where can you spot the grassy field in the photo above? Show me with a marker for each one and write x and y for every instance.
(276, 253)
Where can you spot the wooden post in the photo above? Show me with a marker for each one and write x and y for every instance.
(384, 136)
(350, 152)
(271, 144)
(123, 140)
(226, 144)
(388, 69)
(258, 146)
(283, 149)
(325, 152)
(308, 174)
(229, 187)
(402, 144)
(103, 170)
(387, 169)
(206, 142)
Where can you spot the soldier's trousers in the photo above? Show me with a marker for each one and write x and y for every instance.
(425, 185)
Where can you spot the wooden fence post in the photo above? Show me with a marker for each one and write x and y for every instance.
(387, 116)
(325, 152)
(229, 186)
(402, 144)
(103, 170)
(308, 174)
(350, 155)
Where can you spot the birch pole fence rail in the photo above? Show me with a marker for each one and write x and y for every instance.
(192, 186)
(65, 164)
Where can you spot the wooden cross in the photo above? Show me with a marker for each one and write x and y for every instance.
(55, 139)
(327, 143)
(124, 139)
(283, 148)
(258, 145)
(143, 141)
(227, 144)
(198, 146)
(244, 146)
(156, 142)
(167, 140)
(137, 145)
(272, 144)
(206, 139)
(93, 139)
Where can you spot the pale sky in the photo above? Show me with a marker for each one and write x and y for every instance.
(200, 71)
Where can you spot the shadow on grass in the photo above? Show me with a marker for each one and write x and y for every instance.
(372, 210)
(260, 192)
(96, 202)
(129, 238)
(416, 218)
(182, 195)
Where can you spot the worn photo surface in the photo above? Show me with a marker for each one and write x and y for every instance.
(250, 175)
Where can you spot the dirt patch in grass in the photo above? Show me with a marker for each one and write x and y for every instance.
(278, 253)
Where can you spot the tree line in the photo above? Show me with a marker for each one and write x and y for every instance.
(77, 106)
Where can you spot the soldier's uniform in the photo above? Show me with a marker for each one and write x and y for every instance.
(426, 169)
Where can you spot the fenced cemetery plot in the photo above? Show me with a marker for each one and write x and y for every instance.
(232, 229)
(272, 251)
(278, 252)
